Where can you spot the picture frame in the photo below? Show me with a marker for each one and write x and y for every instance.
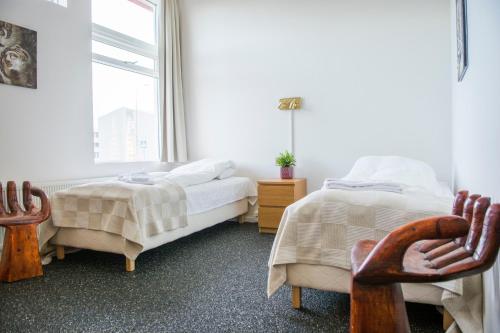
(18, 55)
(462, 39)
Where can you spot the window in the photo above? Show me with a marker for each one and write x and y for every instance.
(125, 80)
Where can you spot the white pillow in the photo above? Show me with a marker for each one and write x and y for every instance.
(395, 169)
(199, 172)
(227, 173)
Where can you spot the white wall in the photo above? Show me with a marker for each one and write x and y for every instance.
(374, 74)
(47, 134)
(476, 126)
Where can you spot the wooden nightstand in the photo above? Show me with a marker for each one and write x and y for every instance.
(274, 196)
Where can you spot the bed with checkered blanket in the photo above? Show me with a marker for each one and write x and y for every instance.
(321, 228)
(132, 211)
(313, 245)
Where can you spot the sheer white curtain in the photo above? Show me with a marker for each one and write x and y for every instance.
(172, 112)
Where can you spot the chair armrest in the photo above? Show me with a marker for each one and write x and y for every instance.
(458, 210)
(385, 261)
(30, 214)
(486, 252)
(44, 212)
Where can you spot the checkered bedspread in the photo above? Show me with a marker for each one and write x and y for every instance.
(132, 211)
(323, 227)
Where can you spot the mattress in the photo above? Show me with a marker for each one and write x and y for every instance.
(217, 193)
(107, 242)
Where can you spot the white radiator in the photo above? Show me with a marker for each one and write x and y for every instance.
(49, 188)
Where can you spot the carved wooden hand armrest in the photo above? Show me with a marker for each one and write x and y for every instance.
(387, 262)
(462, 206)
(430, 250)
(16, 215)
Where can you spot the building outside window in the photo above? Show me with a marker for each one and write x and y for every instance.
(125, 75)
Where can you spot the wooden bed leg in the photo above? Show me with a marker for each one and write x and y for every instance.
(241, 219)
(296, 297)
(60, 252)
(129, 265)
(447, 320)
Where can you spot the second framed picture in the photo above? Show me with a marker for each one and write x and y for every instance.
(462, 39)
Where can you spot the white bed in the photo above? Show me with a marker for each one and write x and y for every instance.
(207, 204)
(313, 244)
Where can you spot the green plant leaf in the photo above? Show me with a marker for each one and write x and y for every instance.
(285, 159)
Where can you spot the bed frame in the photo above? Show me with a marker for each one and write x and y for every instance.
(335, 279)
(106, 242)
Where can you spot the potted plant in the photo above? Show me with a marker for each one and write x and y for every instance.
(286, 161)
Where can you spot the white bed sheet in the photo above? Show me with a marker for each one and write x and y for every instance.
(217, 193)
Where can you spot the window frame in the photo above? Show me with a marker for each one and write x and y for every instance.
(127, 43)
(116, 39)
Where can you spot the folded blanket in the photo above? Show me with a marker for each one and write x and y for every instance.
(138, 178)
(352, 185)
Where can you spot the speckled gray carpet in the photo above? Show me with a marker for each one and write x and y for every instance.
(212, 281)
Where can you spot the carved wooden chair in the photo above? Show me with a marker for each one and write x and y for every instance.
(20, 255)
(430, 250)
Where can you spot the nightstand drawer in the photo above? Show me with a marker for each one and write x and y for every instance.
(270, 217)
(276, 195)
